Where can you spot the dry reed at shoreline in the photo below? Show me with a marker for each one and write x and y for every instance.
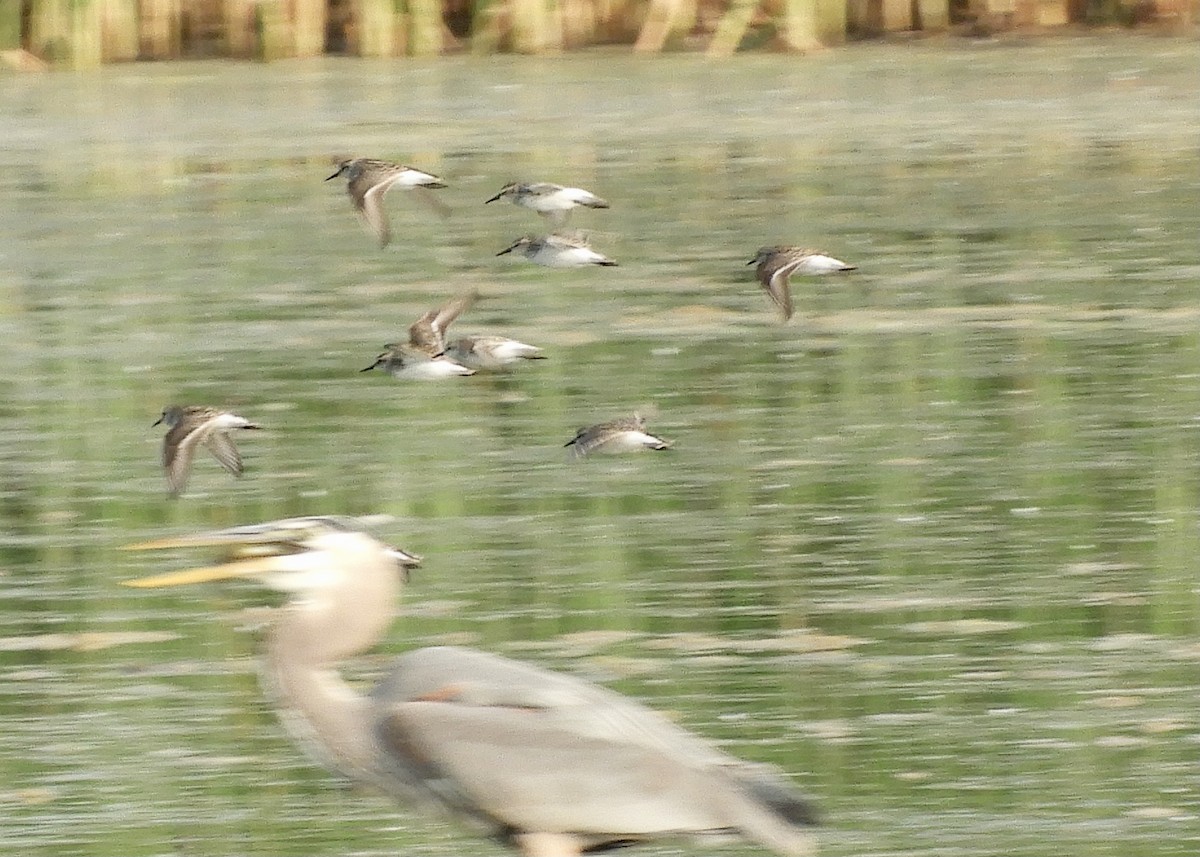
(86, 33)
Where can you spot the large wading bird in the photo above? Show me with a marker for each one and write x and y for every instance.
(550, 764)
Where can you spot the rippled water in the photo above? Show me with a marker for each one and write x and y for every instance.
(931, 547)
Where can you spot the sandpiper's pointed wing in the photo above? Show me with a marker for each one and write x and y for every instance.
(179, 448)
(178, 464)
(569, 249)
(579, 196)
(433, 201)
(773, 272)
(428, 333)
(225, 451)
(502, 348)
(779, 291)
(451, 310)
(818, 262)
(426, 338)
(367, 190)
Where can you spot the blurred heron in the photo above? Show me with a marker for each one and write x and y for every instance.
(550, 764)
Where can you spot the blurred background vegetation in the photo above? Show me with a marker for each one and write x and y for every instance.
(37, 33)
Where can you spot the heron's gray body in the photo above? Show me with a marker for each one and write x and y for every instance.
(548, 762)
(516, 747)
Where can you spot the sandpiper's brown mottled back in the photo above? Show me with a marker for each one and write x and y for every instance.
(777, 264)
(552, 201)
(369, 179)
(423, 357)
(624, 434)
(189, 425)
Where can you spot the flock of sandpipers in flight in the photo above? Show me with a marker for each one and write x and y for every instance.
(427, 354)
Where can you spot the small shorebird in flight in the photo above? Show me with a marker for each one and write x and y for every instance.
(777, 264)
(423, 357)
(491, 353)
(552, 201)
(624, 434)
(558, 251)
(190, 425)
(368, 180)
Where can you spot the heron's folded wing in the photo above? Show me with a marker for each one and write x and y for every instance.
(543, 751)
(534, 769)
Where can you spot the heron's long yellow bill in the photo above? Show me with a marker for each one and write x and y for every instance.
(240, 568)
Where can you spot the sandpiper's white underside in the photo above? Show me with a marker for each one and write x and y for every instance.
(563, 199)
(628, 441)
(819, 264)
(428, 370)
(566, 257)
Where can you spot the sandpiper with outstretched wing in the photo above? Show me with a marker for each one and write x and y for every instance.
(192, 425)
(368, 180)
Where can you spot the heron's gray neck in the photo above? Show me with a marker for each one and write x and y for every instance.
(320, 711)
(328, 717)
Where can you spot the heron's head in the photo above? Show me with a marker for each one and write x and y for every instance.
(292, 555)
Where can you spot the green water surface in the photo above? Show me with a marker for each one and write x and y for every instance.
(931, 548)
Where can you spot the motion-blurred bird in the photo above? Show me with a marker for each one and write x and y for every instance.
(423, 357)
(777, 264)
(190, 425)
(545, 762)
(491, 353)
(552, 201)
(624, 434)
(558, 251)
(368, 180)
